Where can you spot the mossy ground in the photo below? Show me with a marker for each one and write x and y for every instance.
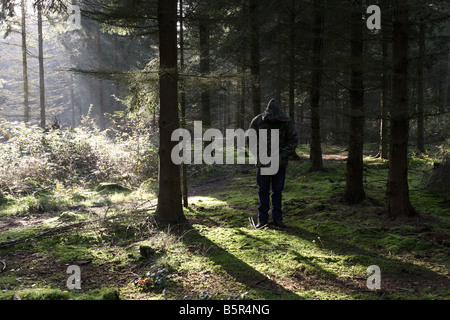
(323, 254)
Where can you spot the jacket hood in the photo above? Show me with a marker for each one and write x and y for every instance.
(274, 112)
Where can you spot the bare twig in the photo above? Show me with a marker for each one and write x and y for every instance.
(252, 223)
(243, 245)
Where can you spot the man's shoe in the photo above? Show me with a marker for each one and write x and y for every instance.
(261, 224)
(279, 223)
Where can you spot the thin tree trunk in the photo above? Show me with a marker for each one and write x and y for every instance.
(205, 69)
(384, 123)
(101, 106)
(170, 208)
(183, 103)
(243, 88)
(91, 94)
(292, 62)
(26, 104)
(443, 75)
(420, 101)
(116, 66)
(354, 191)
(72, 100)
(279, 69)
(255, 56)
(398, 202)
(316, 147)
(41, 66)
(154, 125)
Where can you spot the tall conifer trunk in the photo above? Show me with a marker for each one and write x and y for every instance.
(420, 99)
(41, 66)
(354, 191)
(205, 69)
(255, 56)
(26, 104)
(384, 123)
(398, 202)
(183, 103)
(170, 209)
(316, 147)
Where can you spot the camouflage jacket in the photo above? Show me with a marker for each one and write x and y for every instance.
(274, 118)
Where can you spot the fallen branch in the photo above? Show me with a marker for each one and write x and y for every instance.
(54, 230)
(58, 229)
(243, 245)
(252, 223)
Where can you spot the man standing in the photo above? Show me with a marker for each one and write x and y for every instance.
(274, 118)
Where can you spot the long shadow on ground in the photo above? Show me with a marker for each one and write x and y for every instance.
(240, 271)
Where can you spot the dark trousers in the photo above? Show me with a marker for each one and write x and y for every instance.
(275, 181)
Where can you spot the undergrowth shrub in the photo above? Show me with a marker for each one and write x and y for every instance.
(31, 159)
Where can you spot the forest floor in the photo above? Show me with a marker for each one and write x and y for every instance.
(323, 254)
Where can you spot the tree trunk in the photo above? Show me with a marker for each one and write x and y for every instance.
(316, 148)
(72, 100)
(279, 65)
(420, 103)
(292, 62)
(205, 69)
(101, 106)
(398, 202)
(255, 56)
(170, 208)
(183, 104)
(443, 74)
(116, 66)
(91, 94)
(26, 104)
(41, 66)
(354, 191)
(242, 87)
(384, 123)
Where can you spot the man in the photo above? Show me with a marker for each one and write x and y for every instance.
(274, 118)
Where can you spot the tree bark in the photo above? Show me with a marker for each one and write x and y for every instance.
(205, 69)
(292, 62)
(183, 103)
(72, 100)
(384, 123)
(354, 191)
(398, 202)
(279, 65)
(170, 209)
(116, 66)
(101, 107)
(316, 147)
(41, 66)
(242, 89)
(255, 56)
(26, 104)
(420, 102)
(443, 74)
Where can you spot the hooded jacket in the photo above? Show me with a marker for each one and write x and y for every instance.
(274, 118)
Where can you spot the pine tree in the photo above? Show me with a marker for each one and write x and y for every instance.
(316, 84)
(169, 210)
(354, 191)
(398, 202)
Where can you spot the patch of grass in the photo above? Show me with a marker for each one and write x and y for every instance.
(49, 293)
